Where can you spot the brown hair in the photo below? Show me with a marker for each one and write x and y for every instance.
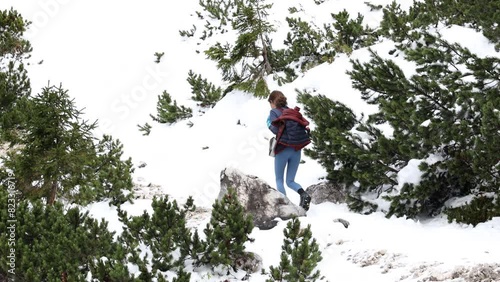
(278, 98)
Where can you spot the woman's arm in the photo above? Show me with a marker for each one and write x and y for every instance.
(272, 116)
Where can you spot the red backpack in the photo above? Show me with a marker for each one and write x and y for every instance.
(291, 118)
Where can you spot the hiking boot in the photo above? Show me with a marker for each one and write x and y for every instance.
(305, 200)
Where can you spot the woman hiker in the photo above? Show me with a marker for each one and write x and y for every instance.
(293, 137)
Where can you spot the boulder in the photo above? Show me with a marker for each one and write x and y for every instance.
(259, 199)
(327, 192)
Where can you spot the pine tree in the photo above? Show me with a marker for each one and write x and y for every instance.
(300, 255)
(113, 267)
(54, 241)
(59, 157)
(182, 276)
(309, 46)
(436, 112)
(203, 92)
(396, 24)
(219, 11)
(227, 232)
(57, 152)
(305, 44)
(114, 176)
(14, 82)
(164, 232)
(13, 26)
(457, 112)
(145, 129)
(246, 64)
(447, 111)
(168, 111)
(481, 15)
(480, 209)
(333, 121)
(158, 56)
(350, 160)
(349, 34)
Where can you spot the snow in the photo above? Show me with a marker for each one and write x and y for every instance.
(103, 53)
(410, 173)
(475, 41)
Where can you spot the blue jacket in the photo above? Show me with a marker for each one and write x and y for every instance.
(294, 134)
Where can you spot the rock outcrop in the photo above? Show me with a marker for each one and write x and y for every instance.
(326, 192)
(259, 199)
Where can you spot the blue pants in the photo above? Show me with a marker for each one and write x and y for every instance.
(290, 159)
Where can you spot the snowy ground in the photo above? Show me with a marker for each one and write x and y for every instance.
(372, 248)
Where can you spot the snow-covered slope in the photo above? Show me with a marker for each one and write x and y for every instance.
(103, 53)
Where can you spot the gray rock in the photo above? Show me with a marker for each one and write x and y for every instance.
(250, 262)
(259, 199)
(327, 192)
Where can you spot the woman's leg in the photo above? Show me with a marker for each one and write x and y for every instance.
(291, 171)
(292, 167)
(280, 161)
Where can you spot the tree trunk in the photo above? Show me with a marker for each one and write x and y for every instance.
(52, 193)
